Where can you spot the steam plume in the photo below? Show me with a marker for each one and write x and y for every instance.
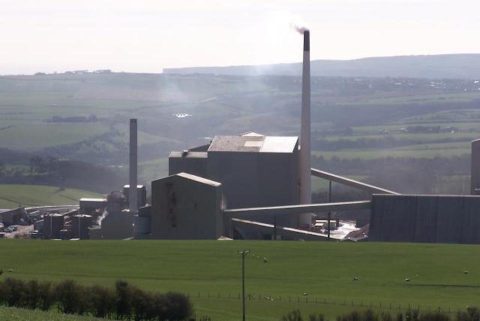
(300, 29)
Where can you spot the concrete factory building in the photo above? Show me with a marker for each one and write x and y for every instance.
(255, 170)
(186, 206)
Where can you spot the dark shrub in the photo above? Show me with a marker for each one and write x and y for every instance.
(142, 304)
(32, 294)
(101, 301)
(69, 297)
(294, 315)
(369, 315)
(14, 292)
(386, 316)
(411, 315)
(178, 306)
(316, 317)
(45, 296)
(159, 306)
(434, 316)
(352, 316)
(472, 314)
(123, 304)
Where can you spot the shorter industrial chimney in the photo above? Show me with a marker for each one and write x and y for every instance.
(132, 197)
(475, 168)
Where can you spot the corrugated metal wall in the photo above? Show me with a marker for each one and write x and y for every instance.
(425, 218)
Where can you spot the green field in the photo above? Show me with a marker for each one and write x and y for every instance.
(12, 196)
(311, 276)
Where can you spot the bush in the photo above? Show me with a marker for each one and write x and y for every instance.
(46, 297)
(472, 314)
(412, 315)
(70, 297)
(316, 317)
(101, 302)
(14, 292)
(178, 307)
(434, 316)
(32, 294)
(293, 316)
(126, 302)
(123, 304)
(142, 304)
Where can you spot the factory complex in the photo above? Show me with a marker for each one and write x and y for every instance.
(255, 186)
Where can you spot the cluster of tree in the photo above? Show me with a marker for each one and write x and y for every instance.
(471, 314)
(125, 302)
(73, 119)
(70, 173)
(404, 175)
(388, 141)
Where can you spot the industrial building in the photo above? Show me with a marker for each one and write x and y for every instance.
(186, 206)
(255, 186)
(255, 170)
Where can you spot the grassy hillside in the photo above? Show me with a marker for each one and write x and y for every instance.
(427, 66)
(13, 314)
(309, 276)
(85, 117)
(12, 196)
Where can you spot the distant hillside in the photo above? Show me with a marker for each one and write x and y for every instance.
(12, 195)
(456, 66)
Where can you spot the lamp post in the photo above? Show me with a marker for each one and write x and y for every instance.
(329, 200)
(243, 253)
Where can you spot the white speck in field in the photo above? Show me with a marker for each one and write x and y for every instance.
(182, 115)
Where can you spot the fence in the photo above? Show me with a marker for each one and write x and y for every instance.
(313, 300)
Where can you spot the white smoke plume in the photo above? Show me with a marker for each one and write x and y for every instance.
(298, 24)
(299, 28)
(102, 217)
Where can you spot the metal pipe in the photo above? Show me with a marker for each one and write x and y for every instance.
(351, 182)
(298, 209)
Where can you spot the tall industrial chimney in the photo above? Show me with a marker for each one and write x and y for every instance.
(305, 182)
(132, 191)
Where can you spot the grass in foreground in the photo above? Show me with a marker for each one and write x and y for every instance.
(310, 276)
(12, 195)
(15, 314)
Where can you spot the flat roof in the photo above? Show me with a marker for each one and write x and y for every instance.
(86, 199)
(187, 154)
(254, 144)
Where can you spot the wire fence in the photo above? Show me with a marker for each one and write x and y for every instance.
(313, 300)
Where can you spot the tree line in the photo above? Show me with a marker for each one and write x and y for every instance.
(124, 302)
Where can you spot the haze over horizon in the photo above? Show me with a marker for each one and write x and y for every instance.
(147, 36)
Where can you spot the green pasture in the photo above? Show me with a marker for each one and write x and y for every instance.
(12, 195)
(280, 276)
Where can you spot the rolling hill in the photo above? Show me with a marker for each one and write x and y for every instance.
(455, 66)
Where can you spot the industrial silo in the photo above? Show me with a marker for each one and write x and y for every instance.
(80, 225)
(52, 224)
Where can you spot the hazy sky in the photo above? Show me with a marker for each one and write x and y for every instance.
(146, 36)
